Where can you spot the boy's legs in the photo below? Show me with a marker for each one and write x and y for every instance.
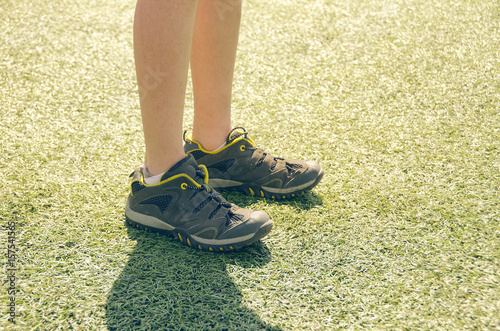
(167, 34)
(180, 203)
(162, 43)
(213, 57)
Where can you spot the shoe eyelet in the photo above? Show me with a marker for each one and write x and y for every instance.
(242, 148)
(184, 186)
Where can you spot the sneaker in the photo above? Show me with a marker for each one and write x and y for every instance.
(240, 166)
(183, 205)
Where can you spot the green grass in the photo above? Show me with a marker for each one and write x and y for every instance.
(398, 100)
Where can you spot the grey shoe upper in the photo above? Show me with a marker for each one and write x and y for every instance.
(184, 200)
(239, 162)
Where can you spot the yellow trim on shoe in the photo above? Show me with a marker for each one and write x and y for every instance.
(221, 149)
(169, 179)
(201, 166)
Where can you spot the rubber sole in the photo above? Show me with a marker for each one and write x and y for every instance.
(188, 240)
(259, 191)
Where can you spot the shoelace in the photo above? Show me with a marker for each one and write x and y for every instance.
(290, 167)
(212, 196)
(241, 131)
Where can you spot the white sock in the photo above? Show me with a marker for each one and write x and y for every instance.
(150, 179)
(224, 144)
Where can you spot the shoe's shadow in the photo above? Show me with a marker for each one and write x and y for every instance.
(305, 201)
(168, 286)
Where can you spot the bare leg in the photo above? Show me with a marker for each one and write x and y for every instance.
(162, 44)
(213, 56)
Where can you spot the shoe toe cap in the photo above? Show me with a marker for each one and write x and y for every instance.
(259, 217)
(257, 222)
(314, 167)
(312, 172)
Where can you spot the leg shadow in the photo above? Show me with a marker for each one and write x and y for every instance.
(167, 286)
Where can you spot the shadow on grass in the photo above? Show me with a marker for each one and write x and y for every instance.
(305, 201)
(167, 286)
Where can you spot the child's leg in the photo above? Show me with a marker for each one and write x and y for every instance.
(212, 63)
(162, 43)
(179, 202)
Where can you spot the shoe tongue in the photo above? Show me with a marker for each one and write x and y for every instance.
(236, 133)
(186, 166)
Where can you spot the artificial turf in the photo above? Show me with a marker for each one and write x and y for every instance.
(398, 101)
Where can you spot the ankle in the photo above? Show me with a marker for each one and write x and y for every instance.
(211, 142)
(157, 167)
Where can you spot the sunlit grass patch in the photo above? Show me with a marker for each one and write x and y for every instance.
(397, 100)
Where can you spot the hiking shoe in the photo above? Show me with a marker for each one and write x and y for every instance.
(240, 166)
(184, 206)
